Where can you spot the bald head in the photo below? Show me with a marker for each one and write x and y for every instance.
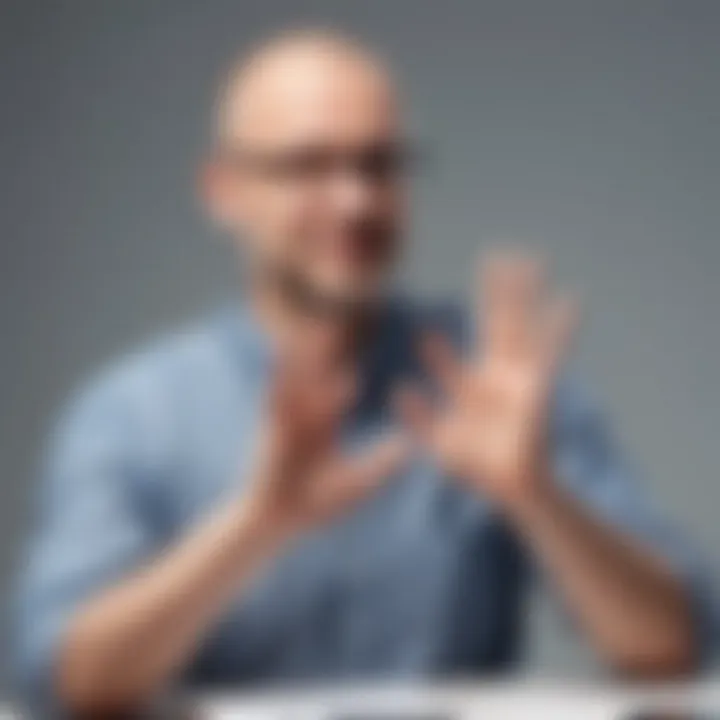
(320, 68)
(307, 169)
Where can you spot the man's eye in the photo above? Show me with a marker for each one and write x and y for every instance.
(311, 163)
(384, 162)
(381, 163)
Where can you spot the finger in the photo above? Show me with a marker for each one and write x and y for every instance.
(307, 359)
(312, 412)
(558, 330)
(415, 411)
(512, 285)
(325, 403)
(331, 399)
(443, 362)
(281, 394)
(377, 463)
(343, 481)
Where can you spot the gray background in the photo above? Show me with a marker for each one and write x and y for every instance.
(586, 128)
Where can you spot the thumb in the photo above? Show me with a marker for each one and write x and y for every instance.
(376, 463)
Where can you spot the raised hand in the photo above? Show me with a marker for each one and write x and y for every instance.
(492, 428)
(302, 477)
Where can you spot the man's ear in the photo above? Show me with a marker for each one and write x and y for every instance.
(220, 194)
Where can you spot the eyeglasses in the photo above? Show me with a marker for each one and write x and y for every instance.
(375, 163)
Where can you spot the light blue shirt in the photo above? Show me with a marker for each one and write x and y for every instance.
(422, 580)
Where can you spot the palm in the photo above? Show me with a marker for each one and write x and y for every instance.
(304, 478)
(491, 430)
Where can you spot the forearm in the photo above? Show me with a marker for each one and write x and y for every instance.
(126, 644)
(631, 606)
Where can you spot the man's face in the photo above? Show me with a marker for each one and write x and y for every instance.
(310, 178)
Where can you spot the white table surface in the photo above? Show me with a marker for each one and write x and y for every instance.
(504, 701)
(484, 701)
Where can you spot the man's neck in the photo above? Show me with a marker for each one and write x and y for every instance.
(294, 327)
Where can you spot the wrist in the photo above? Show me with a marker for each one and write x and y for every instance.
(257, 526)
(532, 500)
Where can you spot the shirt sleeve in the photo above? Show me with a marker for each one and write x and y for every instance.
(593, 468)
(90, 529)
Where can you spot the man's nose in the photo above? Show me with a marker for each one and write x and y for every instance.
(353, 193)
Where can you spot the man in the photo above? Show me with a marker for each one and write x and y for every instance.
(242, 505)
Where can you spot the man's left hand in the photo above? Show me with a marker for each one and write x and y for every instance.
(491, 430)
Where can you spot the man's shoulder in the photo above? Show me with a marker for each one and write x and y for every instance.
(159, 369)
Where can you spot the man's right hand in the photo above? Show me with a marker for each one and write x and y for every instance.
(302, 479)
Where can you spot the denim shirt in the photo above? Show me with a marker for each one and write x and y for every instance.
(424, 579)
